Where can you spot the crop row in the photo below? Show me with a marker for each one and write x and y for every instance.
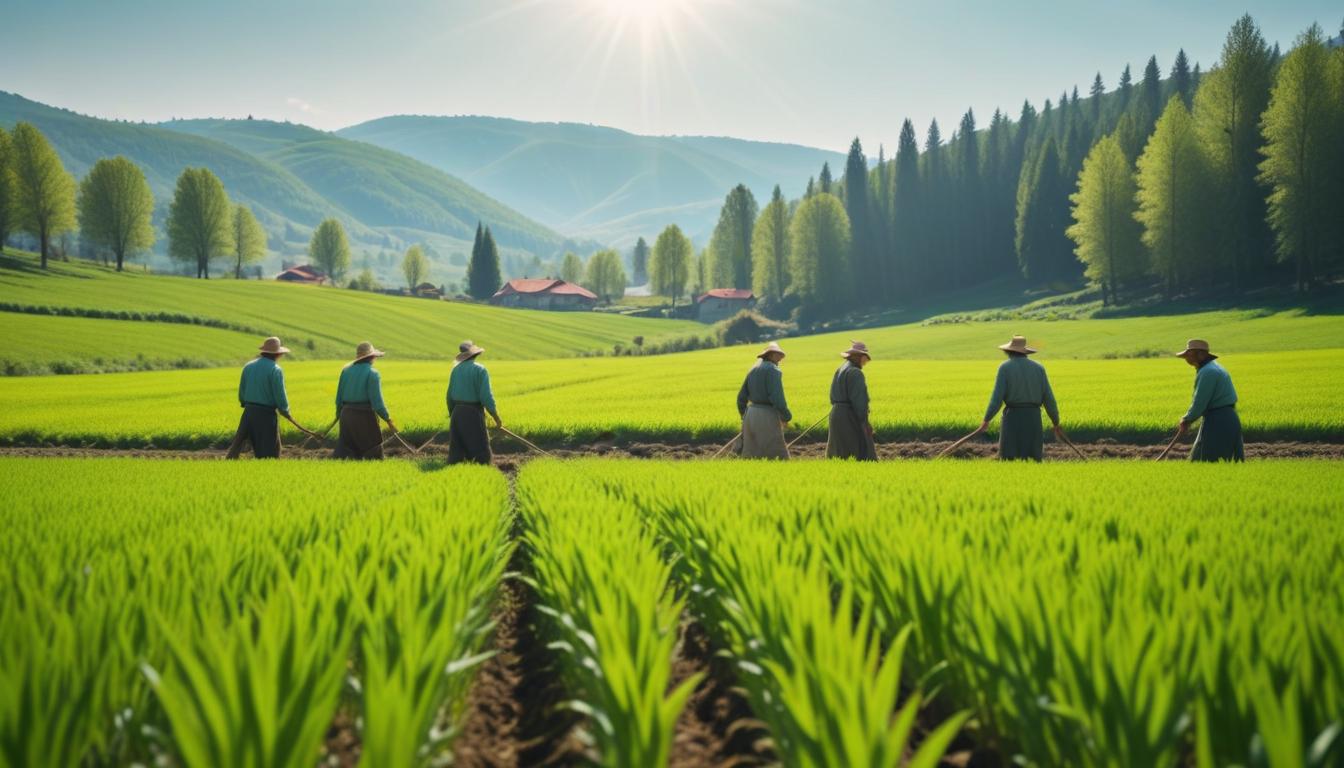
(1114, 615)
(212, 615)
(677, 397)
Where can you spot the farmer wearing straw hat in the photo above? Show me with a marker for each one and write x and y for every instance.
(1219, 437)
(763, 409)
(851, 436)
(261, 393)
(1021, 388)
(469, 399)
(359, 405)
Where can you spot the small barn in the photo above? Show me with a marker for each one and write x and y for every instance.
(428, 291)
(544, 293)
(722, 303)
(303, 273)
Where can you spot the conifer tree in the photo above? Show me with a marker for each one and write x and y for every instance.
(770, 250)
(1098, 90)
(1105, 229)
(865, 268)
(1150, 96)
(1180, 78)
(931, 265)
(824, 181)
(968, 235)
(639, 263)
(1227, 113)
(1172, 173)
(906, 200)
(730, 245)
(483, 273)
(1126, 89)
(1304, 142)
(1043, 250)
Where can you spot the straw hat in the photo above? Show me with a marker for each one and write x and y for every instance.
(467, 350)
(1018, 345)
(272, 346)
(365, 350)
(856, 348)
(1197, 344)
(771, 347)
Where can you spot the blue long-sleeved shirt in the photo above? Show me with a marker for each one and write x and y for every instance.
(1213, 389)
(764, 385)
(361, 383)
(263, 383)
(1022, 381)
(470, 383)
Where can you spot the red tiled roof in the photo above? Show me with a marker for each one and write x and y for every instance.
(727, 293)
(303, 272)
(539, 285)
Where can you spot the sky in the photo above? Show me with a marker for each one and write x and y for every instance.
(816, 72)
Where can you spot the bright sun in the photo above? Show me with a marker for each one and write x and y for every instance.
(642, 10)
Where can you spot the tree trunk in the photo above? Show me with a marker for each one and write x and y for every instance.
(121, 258)
(238, 273)
(42, 239)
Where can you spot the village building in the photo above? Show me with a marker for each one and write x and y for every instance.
(544, 293)
(303, 273)
(428, 291)
(722, 303)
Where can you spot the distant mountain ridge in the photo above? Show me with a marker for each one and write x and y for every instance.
(293, 176)
(597, 182)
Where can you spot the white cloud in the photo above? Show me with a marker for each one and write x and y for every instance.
(303, 106)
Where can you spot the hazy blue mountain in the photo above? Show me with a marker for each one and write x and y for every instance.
(596, 182)
(293, 176)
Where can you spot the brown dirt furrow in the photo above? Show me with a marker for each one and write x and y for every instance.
(508, 462)
(717, 728)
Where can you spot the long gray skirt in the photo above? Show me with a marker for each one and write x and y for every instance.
(763, 434)
(467, 438)
(360, 437)
(1219, 437)
(847, 438)
(1020, 434)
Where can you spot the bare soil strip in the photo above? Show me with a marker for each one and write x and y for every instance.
(1102, 449)
(717, 728)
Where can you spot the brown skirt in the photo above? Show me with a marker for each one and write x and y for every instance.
(360, 437)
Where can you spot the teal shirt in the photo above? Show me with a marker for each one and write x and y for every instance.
(764, 385)
(470, 383)
(1022, 381)
(1213, 389)
(361, 383)
(263, 383)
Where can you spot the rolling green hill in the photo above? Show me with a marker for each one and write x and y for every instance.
(293, 177)
(316, 322)
(600, 182)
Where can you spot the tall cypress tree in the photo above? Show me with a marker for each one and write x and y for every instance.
(824, 180)
(907, 197)
(934, 213)
(1098, 90)
(730, 245)
(1000, 187)
(967, 250)
(483, 277)
(1150, 96)
(639, 263)
(1044, 251)
(867, 278)
(1180, 78)
(1126, 89)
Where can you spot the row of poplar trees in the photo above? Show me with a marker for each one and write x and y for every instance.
(1200, 181)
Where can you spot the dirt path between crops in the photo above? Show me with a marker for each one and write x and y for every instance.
(1102, 449)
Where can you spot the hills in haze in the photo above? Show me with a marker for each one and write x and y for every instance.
(599, 183)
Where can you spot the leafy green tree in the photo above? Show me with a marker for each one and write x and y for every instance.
(1303, 144)
(249, 239)
(44, 194)
(115, 205)
(1044, 251)
(819, 253)
(639, 263)
(670, 264)
(730, 245)
(200, 220)
(1227, 112)
(1171, 179)
(7, 212)
(770, 250)
(1180, 78)
(606, 275)
(1105, 230)
(329, 249)
(571, 268)
(906, 201)
(483, 274)
(415, 266)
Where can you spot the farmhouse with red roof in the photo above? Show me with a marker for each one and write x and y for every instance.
(544, 293)
(303, 273)
(719, 303)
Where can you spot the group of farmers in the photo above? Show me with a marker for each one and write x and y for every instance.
(1021, 390)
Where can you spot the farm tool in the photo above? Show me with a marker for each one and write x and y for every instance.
(1069, 443)
(299, 426)
(322, 435)
(959, 443)
(805, 431)
(525, 441)
(719, 452)
(431, 439)
(397, 436)
(1170, 445)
